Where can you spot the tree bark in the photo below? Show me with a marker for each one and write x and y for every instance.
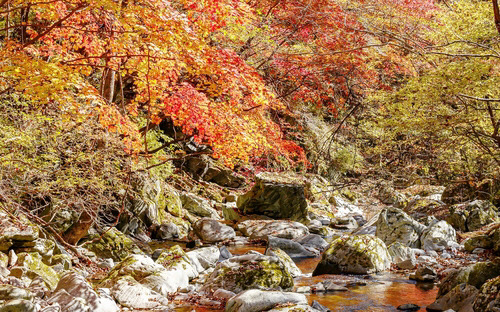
(496, 12)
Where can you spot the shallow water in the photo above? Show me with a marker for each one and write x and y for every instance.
(382, 292)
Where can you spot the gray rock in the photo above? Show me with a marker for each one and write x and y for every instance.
(409, 307)
(212, 231)
(292, 248)
(424, 273)
(277, 196)
(224, 253)
(277, 228)
(223, 294)
(358, 254)
(313, 241)
(402, 256)
(479, 241)
(257, 300)
(167, 231)
(394, 225)
(318, 306)
(294, 308)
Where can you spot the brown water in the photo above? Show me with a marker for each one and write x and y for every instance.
(384, 292)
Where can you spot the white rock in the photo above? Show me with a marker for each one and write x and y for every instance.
(438, 236)
(204, 258)
(129, 293)
(402, 256)
(255, 300)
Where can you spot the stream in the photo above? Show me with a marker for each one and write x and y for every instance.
(381, 292)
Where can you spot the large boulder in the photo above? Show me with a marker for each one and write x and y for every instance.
(212, 231)
(357, 254)
(247, 272)
(394, 225)
(278, 196)
(205, 258)
(488, 299)
(175, 259)
(476, 275)
(438, 236)
(344, 208)
(255, 300)
(74, 293)
(278, 228)
(17, 234)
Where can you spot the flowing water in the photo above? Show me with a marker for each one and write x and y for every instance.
(382, 292)
(371, 293)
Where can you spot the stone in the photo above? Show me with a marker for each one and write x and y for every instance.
(408, 307)
(394, 225)
(278, 228)
(294, 308)
(402, 256)
(230, 212)
(63, 259)
(152, 275)
(173, 202)
(313, 241)
(223, 294)
(460, 298)
(331, 286)
(18, 305)
(112, 244)
(389, 196)
(318, 306)
(175, 259)
(475, 274)
(10, 292)
(167, 231)
(422, 205)
(424, 273)
(129, 293)
(479, 241)
(212, 231)
(224, 253)
(344, 209)
(198, 206)
(357, 254)
(278, 196)
(74, 293)
(255, 300)
(292, 248)
(204, 258)
(249, 271)
(438, 236)
(31, 265)
(481, 213)
(488, 298)
(285, 260)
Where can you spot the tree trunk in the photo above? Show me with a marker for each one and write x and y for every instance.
(80, 228)
(496, 12)
(108, 89)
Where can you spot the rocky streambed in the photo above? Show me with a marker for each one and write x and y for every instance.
(284, 245)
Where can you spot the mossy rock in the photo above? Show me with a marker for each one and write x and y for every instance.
(249, 271)
(30, 265)
(172, 202)
(63, 259)
(476, 275)
(113, 244)
(357, 254)
(277, 196)
(488, 299)
(479, 241)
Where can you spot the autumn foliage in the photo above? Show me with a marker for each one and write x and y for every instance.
(216, 68)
